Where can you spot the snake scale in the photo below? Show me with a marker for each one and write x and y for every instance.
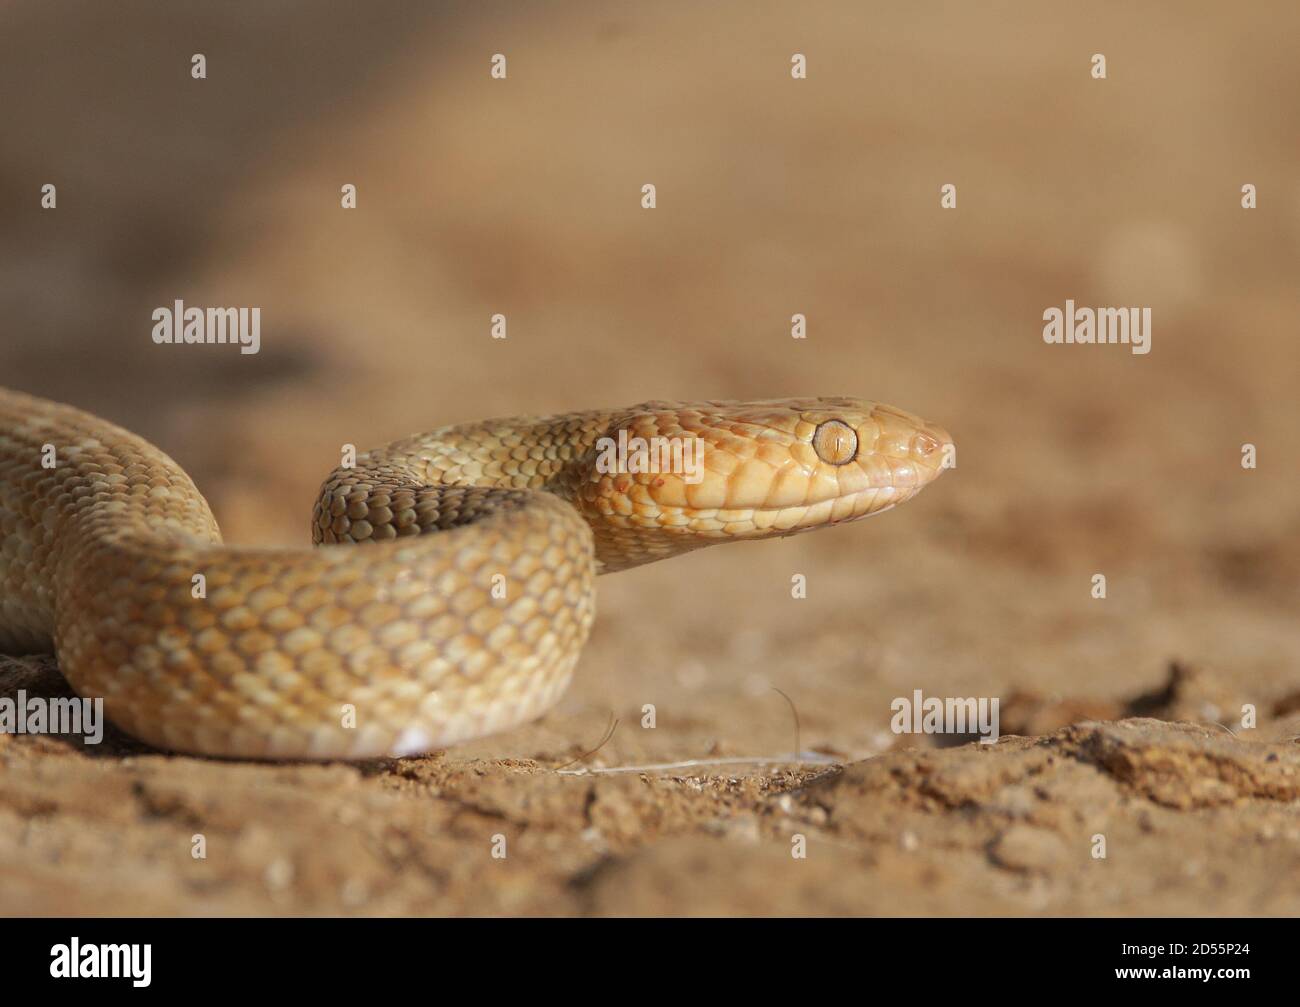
(465, 609)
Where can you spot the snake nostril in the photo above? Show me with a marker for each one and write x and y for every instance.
(925, 444)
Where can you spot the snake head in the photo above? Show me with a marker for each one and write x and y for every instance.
(676, 476)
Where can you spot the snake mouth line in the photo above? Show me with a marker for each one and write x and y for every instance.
(806, 517)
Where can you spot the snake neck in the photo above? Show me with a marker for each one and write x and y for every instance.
(457, 474)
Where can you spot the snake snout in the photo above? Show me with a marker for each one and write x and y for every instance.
(911, 457)
(932, 450)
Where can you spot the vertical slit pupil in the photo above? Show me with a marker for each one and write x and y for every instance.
(835, 442)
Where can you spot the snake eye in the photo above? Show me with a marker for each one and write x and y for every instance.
(835, 442)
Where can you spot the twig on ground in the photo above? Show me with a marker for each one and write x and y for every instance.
(609, 733)
(796, 759)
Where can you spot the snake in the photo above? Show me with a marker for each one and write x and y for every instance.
(452, 586)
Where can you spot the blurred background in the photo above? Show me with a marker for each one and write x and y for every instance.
(776, 196)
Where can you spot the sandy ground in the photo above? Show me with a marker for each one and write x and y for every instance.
(775, 196)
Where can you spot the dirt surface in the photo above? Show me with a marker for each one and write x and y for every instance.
(1138, 815)
(775, 196)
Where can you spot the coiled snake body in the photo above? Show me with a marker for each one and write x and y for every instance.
(467, 609)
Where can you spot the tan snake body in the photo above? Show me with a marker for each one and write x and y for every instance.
(466, 612)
